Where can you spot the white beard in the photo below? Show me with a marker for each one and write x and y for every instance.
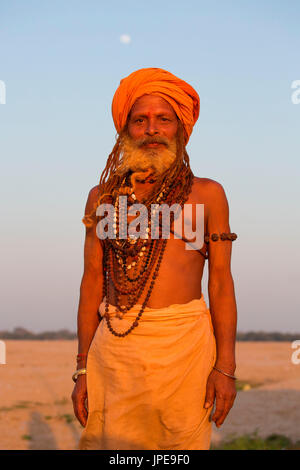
(137, 158)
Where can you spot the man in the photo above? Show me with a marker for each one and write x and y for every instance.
(152, 358)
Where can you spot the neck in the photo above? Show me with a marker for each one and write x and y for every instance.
(143, 183)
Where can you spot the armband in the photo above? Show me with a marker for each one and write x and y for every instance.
(223, 236)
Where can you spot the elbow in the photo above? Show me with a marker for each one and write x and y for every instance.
(220, 282)
(90, 281)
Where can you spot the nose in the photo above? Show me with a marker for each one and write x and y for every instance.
(151, 128)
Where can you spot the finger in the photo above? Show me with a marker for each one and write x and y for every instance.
(76, 410)
(80, 410)
(83, 411)
(75, 407)
(228, 405)
(220, 404)
(227, 408)
(82, 414)
(210, 396)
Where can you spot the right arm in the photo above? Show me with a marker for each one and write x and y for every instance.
(91, 284)
(91, 290)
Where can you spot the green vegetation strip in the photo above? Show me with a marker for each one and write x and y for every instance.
(254, 442)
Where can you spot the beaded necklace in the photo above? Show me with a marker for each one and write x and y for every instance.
(128, 263)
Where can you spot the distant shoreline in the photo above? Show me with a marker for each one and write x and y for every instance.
(23, 334)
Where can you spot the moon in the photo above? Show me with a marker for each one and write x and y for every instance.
(125, 39)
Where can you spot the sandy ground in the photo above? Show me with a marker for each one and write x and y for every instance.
(36, 411)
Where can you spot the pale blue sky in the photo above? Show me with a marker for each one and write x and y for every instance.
(62, 61)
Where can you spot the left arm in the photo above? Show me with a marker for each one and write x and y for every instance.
(222, 304)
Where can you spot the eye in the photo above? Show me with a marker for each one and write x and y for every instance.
(164, 119)
(139, 120)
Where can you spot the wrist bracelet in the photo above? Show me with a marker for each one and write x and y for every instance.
(77, 373)
(225, 373)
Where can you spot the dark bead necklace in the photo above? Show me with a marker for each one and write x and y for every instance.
(141, 256)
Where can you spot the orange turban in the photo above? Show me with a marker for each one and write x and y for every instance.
(154, 81)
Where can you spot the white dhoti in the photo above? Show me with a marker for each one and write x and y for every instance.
(147, 390)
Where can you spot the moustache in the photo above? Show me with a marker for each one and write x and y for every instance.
(154, 140)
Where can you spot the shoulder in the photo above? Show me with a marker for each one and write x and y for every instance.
(92, 199)
(208, 188)
(94, 192)
(212, 194)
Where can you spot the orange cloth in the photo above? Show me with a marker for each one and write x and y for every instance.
(154, 81)
(147, 389)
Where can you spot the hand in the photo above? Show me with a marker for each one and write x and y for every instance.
(221, 388)
(79, 397)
